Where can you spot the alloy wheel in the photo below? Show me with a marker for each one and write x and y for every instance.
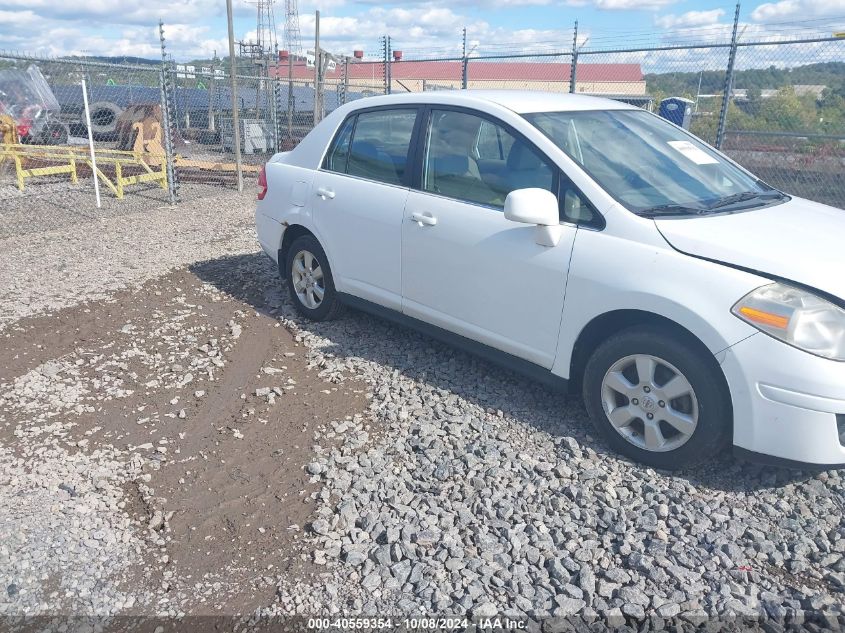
(307, 279)
(649, 402)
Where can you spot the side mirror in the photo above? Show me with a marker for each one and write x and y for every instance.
(536, 206)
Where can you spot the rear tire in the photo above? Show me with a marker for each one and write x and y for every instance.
(675, 415)
(310, 280)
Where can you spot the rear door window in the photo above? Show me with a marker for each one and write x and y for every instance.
(374, 145)
(380, 145)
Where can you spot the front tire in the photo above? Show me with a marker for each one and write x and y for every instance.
(657, 398)
(310, 280)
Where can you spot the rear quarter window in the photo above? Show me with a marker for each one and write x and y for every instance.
(338, 155)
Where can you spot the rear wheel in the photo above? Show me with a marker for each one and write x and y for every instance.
(310, 279)
(657, 398)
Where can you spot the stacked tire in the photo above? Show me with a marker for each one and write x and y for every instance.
(104, 116)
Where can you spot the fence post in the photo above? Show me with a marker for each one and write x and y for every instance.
(166, 100)
(210, 125)
(464, 64)
(389, 66)
(291, 102)
(573, 66)
(385, 53)
(729, 80)
(276, 92)
(344, 86)
(318, 68)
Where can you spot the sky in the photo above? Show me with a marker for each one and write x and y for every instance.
(428, 28)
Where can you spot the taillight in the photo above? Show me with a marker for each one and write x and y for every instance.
(262, 182)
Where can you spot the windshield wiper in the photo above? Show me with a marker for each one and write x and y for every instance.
(669, 209)
(744, 196)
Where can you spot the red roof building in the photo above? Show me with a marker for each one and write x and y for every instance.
(415, 76)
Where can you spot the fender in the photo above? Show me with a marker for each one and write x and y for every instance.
(608, 274)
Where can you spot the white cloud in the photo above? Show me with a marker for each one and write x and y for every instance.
(111, 12)
(106, 27)
(420, 28)
(622, 5)
(690, 19)
(415, 28)
(798, 10)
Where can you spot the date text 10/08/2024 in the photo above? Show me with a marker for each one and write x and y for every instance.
(417, 624)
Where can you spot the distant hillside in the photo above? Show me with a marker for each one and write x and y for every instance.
(831, 74)
(141, 61)
(242, 62)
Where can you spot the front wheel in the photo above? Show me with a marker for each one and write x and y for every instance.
(310, 280)
(657, 398)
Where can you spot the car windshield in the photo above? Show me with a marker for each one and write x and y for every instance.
(651, 166)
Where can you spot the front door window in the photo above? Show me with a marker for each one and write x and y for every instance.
(473, 159)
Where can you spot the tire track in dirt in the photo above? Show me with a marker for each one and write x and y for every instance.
(224, 494)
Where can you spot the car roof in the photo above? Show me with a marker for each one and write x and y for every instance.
(520, 101)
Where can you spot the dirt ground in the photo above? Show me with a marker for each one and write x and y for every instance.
(194, 372)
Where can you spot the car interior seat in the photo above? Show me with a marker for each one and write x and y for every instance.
(368, 161)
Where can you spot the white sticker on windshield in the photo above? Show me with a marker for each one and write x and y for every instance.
(695, 154)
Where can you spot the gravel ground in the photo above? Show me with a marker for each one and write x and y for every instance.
(153, 449)
(431, 482)
(58, 251)
(486, 494)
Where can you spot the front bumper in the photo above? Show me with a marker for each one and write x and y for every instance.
(788, 404)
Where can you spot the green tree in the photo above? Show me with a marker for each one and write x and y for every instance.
(755, 101)
(784, 112)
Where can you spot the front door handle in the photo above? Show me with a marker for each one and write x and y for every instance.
(423, 219)
(325, 193)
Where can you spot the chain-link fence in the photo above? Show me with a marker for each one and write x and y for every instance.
(777, 107)
(51, 145)
(786, 117)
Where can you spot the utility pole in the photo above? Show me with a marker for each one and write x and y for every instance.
(729, 80)
(236, 126)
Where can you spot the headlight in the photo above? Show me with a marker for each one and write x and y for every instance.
(797, 317)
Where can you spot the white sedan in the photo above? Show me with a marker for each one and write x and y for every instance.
(583, 242)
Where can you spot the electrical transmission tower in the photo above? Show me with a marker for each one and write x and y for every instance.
(266, 46)
(263, 52)
(293, 38)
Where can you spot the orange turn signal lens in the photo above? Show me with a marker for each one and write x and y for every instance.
(764, 318)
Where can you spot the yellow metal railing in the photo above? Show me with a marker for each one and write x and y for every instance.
(66, 158)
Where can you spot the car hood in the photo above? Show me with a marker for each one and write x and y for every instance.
(799, 240)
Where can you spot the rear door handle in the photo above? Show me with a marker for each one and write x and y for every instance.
(423, 219)
(325, 193)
